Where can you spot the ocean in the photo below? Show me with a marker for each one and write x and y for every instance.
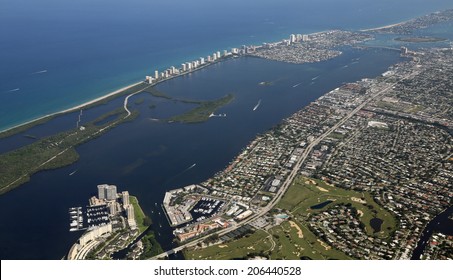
(58, 54)
(95, 49)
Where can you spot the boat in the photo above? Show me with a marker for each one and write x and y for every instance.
(257, 105)
(40, 72)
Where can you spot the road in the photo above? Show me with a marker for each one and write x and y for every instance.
(287, 183)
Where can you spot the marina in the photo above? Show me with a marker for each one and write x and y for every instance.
(76, 218)
(206, 208)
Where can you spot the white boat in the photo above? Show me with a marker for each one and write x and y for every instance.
(257, 105)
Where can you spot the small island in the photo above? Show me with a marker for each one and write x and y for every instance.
(420, 39)
(203, 111)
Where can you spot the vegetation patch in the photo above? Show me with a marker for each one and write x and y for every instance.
(51, 152)
(255, 244)
(143, 221)
(202, 112)
(305, 192)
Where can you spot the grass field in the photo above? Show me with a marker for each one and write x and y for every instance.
(256, 243)
(292, 239)
(295, 241)
(306, 192)
(138, 213)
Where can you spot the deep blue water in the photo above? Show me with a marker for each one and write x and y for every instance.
(148, 157)
(90, 48)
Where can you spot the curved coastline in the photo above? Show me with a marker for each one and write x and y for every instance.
(384, 27)
(76, 107)
(47, 117)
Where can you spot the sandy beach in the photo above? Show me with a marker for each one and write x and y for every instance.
(383, 27)
(110, 94)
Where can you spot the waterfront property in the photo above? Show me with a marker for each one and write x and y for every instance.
(111, 225)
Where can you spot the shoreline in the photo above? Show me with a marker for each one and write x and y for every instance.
(101, 98)
(113, 93)
(76, 107)
(384, 26)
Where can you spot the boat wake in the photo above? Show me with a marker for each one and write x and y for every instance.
(297, 85)
(40, 72)
(181, 173)
(315, 77)
(13, 90)
(190, 167)
(257, 105)
(73, 172)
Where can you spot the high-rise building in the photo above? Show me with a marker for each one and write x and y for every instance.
(149, 79)
(125, 195)
(218, 54)
(292, 38)
(156, 74)
(130, 212)
(209, 58)
(201, 60)
(107, 192)
(113, 208)
(111, 192)
(184, 67)
(130, 216)
(101, 191)
(305, 37)
(214, 56)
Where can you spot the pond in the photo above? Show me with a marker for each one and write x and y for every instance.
(321, 205)
(376, 224)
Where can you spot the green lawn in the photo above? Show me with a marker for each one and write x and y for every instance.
(291, 246)
(138, 213)
(255, 243)
(292, 239)
(306, 192)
